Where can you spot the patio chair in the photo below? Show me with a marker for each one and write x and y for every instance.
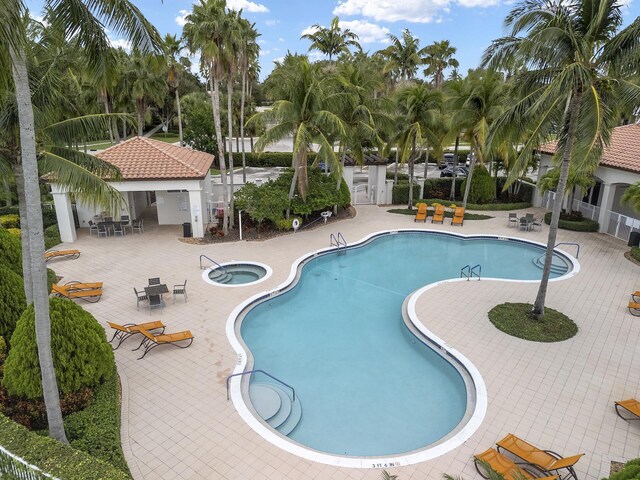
(140, 297)
(155, 301)
(122, 332)
(438, 214)
(92, 227)
(458, 216)
(139, 226)
(118, 229)
(634, 309)
(151, 341)
(636, 296)
(88, 295)
(72, 254)
(494, 460)
(154, 281)
(125, 221)
(632, 406)
(512, 220)
(102, 231)
(546, 461)
(523, 224)
(421, 214)
(180, 290)
(537, 222)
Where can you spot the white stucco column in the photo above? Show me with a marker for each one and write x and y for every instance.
(605, 206)
(197, 213)
(66, 225)
(381, 185)
(347, 174)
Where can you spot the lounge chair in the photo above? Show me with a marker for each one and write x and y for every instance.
(513, 219)
(438, 215)
(632, 406)
(151, 341)
(636, 296)
(634, 309)
(494, 460)
(88, 295)
(122, 332)
(546, 461)
(421, 215)
(73, 254)
(458, 216)
(180, 290)
(75, 285)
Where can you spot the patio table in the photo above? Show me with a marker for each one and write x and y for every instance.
(156, 289)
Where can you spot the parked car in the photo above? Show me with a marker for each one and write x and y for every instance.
(460, 171)
(448, 160)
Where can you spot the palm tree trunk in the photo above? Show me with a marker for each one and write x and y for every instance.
(301, 171)
(467, 187)
(106, 110)
(411, 162)
(395, 168)
(243, 89)
(573, 111)
(140, 113)
(230, 128)
(124, 129)
(36, 245)
(426, 162)
(215, 105)
(179, 118)
(452, 194)
(24, 226)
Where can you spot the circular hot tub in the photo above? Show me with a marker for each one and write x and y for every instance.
(237, 274)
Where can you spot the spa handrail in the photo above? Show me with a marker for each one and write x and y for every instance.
(212, 261)
(260, 371)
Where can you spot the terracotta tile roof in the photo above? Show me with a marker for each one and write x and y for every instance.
(623, 152)
(141, 158)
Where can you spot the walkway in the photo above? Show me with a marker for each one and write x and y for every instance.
(178, 424)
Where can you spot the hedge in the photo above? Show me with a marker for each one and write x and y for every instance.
(400, 193)
(10, 221)
(269, 159)
(488, 207)
(12, 300)
(440, 188)
(584, 225)
(630, 471)
(48, 215)
(483, 186)
(11, 250)
(51, 237)
(53, 457)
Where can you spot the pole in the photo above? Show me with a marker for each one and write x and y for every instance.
(240, 222)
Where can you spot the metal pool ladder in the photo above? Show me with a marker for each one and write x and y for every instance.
(212, 261)
(339, 242)
(468, 271)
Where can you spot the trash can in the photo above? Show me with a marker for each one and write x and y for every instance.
(634, 239)
(186, 229)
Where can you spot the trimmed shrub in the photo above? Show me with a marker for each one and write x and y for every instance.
(10, 221)
(400, 194)
(11, 251)
(584, 225)
(51, 279)
(51, 237)
(635, 253)
(81, 355)
(49, 217)
(402, 177)
(12, 300)
(483, 188)
(273, 159)
(440, 188)
(16, 232)
(53, 457)
(13, 210)
(630, 471)
(488, 207)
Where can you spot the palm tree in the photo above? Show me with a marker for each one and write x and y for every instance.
(403, 55)
(304, 107)
(204, 33)
(147, 83)
(438, 56)
(578, 67)
(79, 21)
(333, 40)
(249, 53)
(173, 47)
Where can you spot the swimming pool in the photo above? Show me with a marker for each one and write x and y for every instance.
(369, 387)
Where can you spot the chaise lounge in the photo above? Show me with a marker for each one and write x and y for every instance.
(151, 341)
(546, 461)
(458, 216)
(632, 406)
(89, 292)
(494, 460)
(421, 214)
(634, 309)
(73, 254)
(122, 332)
(438, 215)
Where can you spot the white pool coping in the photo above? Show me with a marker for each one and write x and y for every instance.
(268, 269)
(427, 453)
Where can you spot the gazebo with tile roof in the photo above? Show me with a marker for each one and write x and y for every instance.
(618, 168)
(178, 177)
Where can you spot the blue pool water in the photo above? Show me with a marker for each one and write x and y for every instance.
(367, 385)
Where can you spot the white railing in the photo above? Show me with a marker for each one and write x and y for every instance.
(360, 194)
(13, 466)
(621, 226)
(588, 210)
(548, 200)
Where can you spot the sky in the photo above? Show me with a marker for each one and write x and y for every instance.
(470, 25)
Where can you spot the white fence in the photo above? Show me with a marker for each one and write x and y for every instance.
(588, 210)
(14, 467)
(621, 226)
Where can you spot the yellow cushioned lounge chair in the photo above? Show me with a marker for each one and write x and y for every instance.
(544, 460)
(421, 214)
(73, 254)
(151, 341)
(438, 215)
(122, 332)
(632, 405)
(458, 216)
(636, 296)
(634, 309)
(76, 286)
(504, 466)
(91, 295)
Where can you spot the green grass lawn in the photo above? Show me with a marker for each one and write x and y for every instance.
(515, 319)
(166, 137)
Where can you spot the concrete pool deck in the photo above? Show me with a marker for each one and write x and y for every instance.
(177, 422)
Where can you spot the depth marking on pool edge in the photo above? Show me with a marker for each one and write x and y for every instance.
(240, 357)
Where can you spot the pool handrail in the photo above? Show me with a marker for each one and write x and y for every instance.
(259, 371)
(571, 243)
(212, 261)
(473, 271)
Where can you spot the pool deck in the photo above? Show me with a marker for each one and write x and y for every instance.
(177, 422)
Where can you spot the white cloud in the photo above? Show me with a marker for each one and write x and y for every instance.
(281, 39)
(272, 23)
(416, 11)
(264, 52)
(121, 43)
(278, 59)
(247, 6)
(625, 3)
(262, 41)
(309, 30)
(182, 18)
(367, 32)
(478, 3)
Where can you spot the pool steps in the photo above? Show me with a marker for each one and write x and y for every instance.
(555, 267)
(288, 413)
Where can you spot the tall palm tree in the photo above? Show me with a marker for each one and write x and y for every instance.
(439, 56)
(173, 47)
(403, 55)
(249, 53)
(147, 82)
(333, 40)
(204, 33)
(84, 22)
(578, 64)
